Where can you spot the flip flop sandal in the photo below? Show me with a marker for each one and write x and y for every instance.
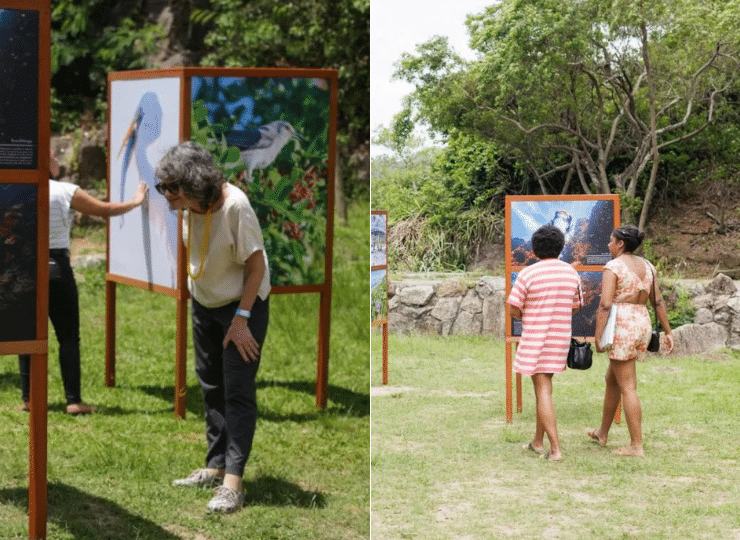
(546, 457)
(530, 447)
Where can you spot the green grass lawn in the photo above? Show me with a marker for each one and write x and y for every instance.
(446, 465)
(109, 473)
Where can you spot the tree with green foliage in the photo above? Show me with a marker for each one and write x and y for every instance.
(582, 92)
(89, 39)
(303, 33)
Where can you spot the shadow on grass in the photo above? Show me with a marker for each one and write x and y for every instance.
(345, 402)
(271, 491)
(193, 397)
(342, 401)
(88, 517)
(11, 380)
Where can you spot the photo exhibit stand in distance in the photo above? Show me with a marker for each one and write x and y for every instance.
(379, 279)
(586, 222)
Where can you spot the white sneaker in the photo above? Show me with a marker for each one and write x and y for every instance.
(199, 478)
(226, 500)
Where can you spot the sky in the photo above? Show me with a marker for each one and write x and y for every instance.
(397, 26)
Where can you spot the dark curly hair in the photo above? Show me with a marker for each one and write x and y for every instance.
(192, 167)
(548, 242)
(630, 235)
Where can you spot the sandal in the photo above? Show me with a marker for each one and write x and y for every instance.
(530, 446)
(547, 457)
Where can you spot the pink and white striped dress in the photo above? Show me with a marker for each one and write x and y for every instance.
(546, 293)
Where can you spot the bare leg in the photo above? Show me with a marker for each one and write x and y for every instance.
(611, 402)
(626, 376)
(546, 413)
(538, 442)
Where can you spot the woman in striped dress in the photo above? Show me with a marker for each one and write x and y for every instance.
(545, 297)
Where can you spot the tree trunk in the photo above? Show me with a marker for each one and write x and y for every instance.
(653, 132)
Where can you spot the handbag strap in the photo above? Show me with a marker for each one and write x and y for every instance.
(653, 292)
(580, 298)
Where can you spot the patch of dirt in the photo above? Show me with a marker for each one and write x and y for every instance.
(84, 246)
(388, 390)
(686, 241)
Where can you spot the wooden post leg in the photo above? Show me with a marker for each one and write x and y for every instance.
(322, 365)
(509, 407)
(518, 392)
(385, 353)
(110, 334)
(181, 358)
(37, 482)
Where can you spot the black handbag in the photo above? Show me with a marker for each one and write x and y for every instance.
(579, 354)
(654, 345)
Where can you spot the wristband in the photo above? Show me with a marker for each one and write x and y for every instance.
(243, 313)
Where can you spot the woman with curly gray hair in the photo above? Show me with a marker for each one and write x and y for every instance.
(230, 286)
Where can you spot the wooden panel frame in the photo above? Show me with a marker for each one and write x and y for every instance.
(38, 348)
(180, 293)
(512, 341)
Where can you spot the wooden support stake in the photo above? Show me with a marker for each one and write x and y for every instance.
(181, 358)
(322, 365)
(509, 407)
(110, 334)
(385, 353)
(37, 482)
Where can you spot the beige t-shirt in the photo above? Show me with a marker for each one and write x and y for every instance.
(235, 234)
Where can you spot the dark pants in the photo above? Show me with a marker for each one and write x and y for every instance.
(64, 312)
(228, 384)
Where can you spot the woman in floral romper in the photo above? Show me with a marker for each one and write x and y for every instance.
(628, 284)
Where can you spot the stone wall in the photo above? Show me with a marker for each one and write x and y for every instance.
(462, 304)
(453, 304)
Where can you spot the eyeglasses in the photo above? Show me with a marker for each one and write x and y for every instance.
(167, 187)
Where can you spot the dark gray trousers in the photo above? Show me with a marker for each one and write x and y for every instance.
(228, 384)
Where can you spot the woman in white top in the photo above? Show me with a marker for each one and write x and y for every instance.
(64, 310)
(230, 286)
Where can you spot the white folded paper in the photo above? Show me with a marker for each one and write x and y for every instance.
(607, 336)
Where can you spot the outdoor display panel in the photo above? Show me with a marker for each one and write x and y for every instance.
(273, 131)
(19, 89)
(379, 278)
(379, 267)
(586, 222)
(144, 124)
(586, 225)
(378, 239)
(379, 295)
(25, 64)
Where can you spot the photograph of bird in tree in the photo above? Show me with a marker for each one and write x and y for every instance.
(271, 136)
